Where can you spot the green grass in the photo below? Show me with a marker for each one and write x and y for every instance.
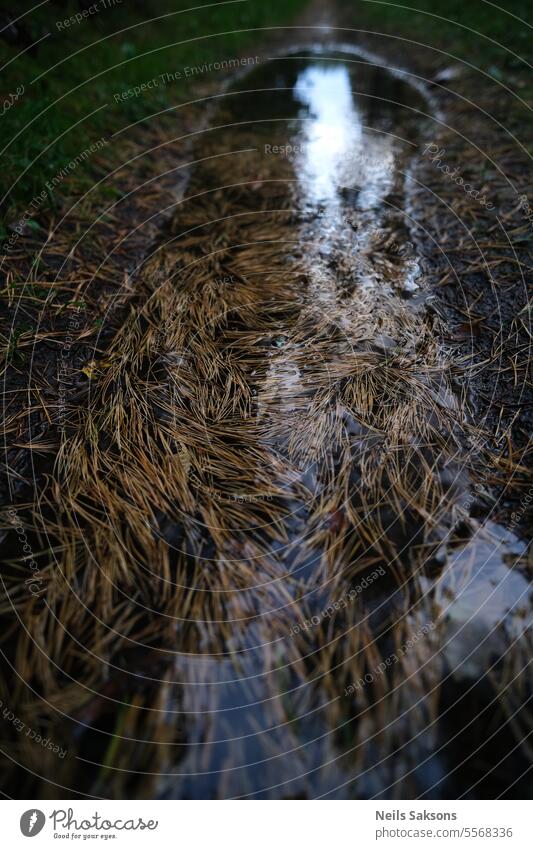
(77, 70)
(119, 47)
(464, 28)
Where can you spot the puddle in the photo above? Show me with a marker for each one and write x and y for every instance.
(328, 323)
(485, 596)
(305, 437)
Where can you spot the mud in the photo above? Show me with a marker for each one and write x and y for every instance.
(273, 573)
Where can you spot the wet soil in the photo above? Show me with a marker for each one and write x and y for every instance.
(276, 570)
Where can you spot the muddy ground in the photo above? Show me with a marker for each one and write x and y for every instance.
(269, 447)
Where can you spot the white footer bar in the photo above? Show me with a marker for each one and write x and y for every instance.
(267, 825)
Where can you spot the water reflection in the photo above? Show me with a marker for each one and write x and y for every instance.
(333, 133)
(337, 151)
(485, 599)
(310, 344)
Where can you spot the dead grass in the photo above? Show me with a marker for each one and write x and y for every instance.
(239, 435)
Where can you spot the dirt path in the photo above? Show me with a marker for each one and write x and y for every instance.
(267, 580)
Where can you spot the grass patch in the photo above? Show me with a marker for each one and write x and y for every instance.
(58, 94)
(467, 30)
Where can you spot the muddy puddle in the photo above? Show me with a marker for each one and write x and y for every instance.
(284, 464)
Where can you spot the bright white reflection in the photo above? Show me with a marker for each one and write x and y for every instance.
(337, 150)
